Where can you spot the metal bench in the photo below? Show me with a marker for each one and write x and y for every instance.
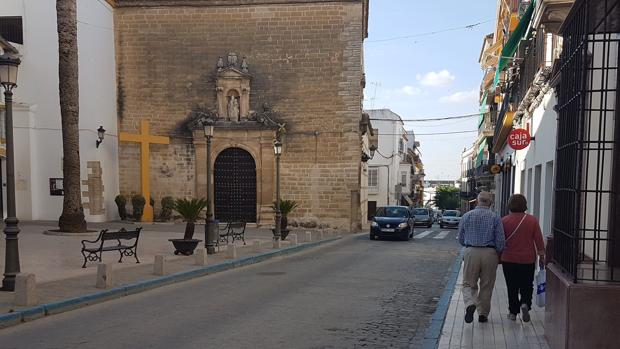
(237, 231)
(230, 232)
(128, 247)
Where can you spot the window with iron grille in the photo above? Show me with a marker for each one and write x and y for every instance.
(403, 178)
(373, 178)
(586, 222)
(11, 29)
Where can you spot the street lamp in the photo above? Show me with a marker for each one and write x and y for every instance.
(209, 229)
(277, 149)
(100, 135)
(8, 80)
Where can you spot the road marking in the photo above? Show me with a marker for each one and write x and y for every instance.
(442, 235)
(423, 234)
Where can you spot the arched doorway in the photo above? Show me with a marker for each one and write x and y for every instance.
(235, 186)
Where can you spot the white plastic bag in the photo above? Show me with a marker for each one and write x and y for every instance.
(541, 283)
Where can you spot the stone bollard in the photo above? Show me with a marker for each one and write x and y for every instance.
(231, 251)
(105, 275)
(256, 246)
(308, 236)
(200, 257)
(286, 243)
(277, 244)
(293, 239)
(321, 235)
(25, 290)
(159, 267)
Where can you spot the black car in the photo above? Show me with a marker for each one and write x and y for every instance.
(392, 221)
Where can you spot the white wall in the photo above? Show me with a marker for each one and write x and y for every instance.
(536, 161)
(386, 156)
(38, 136)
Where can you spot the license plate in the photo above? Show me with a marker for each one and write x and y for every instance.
(387, 230)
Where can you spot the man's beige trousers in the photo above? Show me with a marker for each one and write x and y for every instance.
(480, 264)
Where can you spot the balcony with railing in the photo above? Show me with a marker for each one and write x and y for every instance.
(486, 128)
(536, 55)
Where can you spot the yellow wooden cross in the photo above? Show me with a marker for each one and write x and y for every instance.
(145, 139)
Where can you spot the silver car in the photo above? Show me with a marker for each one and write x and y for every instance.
(450, 218)
(422, 216)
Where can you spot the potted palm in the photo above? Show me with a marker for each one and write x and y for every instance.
(190, 211)
(286, 207)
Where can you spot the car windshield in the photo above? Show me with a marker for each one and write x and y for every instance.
(450, 214)
(391, 212)
(420, 211)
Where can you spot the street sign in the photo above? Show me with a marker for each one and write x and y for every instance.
(519, 139)
(495, 169)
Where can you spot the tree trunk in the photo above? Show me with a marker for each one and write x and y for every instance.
(72, 217)
(189, 230)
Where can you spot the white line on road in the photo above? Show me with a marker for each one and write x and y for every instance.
(423, 234)
(442, 235)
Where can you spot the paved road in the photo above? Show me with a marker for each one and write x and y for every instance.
(352, 294)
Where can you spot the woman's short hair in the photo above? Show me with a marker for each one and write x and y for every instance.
(517, 203)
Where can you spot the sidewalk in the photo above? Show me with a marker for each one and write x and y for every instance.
(499, 332)
(56, 260)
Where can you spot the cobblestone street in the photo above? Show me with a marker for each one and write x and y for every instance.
(355, 293)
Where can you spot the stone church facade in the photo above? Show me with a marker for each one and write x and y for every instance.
(258, 69)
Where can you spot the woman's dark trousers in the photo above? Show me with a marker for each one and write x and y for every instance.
(519, 282)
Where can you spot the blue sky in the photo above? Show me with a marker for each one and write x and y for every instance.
(428, 76)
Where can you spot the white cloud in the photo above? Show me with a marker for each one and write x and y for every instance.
(471, 96)
(434, 79)
(410, 90)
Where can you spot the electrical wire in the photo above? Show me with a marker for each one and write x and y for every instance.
(385, 157)
(469, 26)
(464, 116)
(429, 134)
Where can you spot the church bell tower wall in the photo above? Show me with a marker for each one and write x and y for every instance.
(305, 60)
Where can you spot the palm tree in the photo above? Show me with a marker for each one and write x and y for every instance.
(72, 217)
(190, 211)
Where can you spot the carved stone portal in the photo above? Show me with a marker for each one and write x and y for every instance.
(233, 90)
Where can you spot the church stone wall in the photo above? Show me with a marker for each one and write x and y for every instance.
(305, 60)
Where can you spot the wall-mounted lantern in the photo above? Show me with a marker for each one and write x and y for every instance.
(100, 135)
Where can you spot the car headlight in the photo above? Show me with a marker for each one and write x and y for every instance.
(374, 224)
(402, 225)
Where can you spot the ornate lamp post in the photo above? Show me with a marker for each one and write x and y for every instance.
(277, 148)
(209, 228)
(8, 80)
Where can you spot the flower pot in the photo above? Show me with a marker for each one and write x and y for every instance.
(184, 246)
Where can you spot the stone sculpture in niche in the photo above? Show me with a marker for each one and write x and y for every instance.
(233, 109)
(233, 88)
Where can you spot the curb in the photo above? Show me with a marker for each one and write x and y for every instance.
(433, 332)
(39, 311)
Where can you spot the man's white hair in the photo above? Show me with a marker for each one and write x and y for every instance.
(484, 199)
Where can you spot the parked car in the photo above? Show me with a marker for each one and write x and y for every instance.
(392, 221)
(423, 216)
(450, 218)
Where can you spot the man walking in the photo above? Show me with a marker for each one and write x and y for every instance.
(482, 234)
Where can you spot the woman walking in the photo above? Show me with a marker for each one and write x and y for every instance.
(523, 242)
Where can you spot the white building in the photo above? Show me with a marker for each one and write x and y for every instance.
(468, 183)
(38, 139)
(389, 175)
